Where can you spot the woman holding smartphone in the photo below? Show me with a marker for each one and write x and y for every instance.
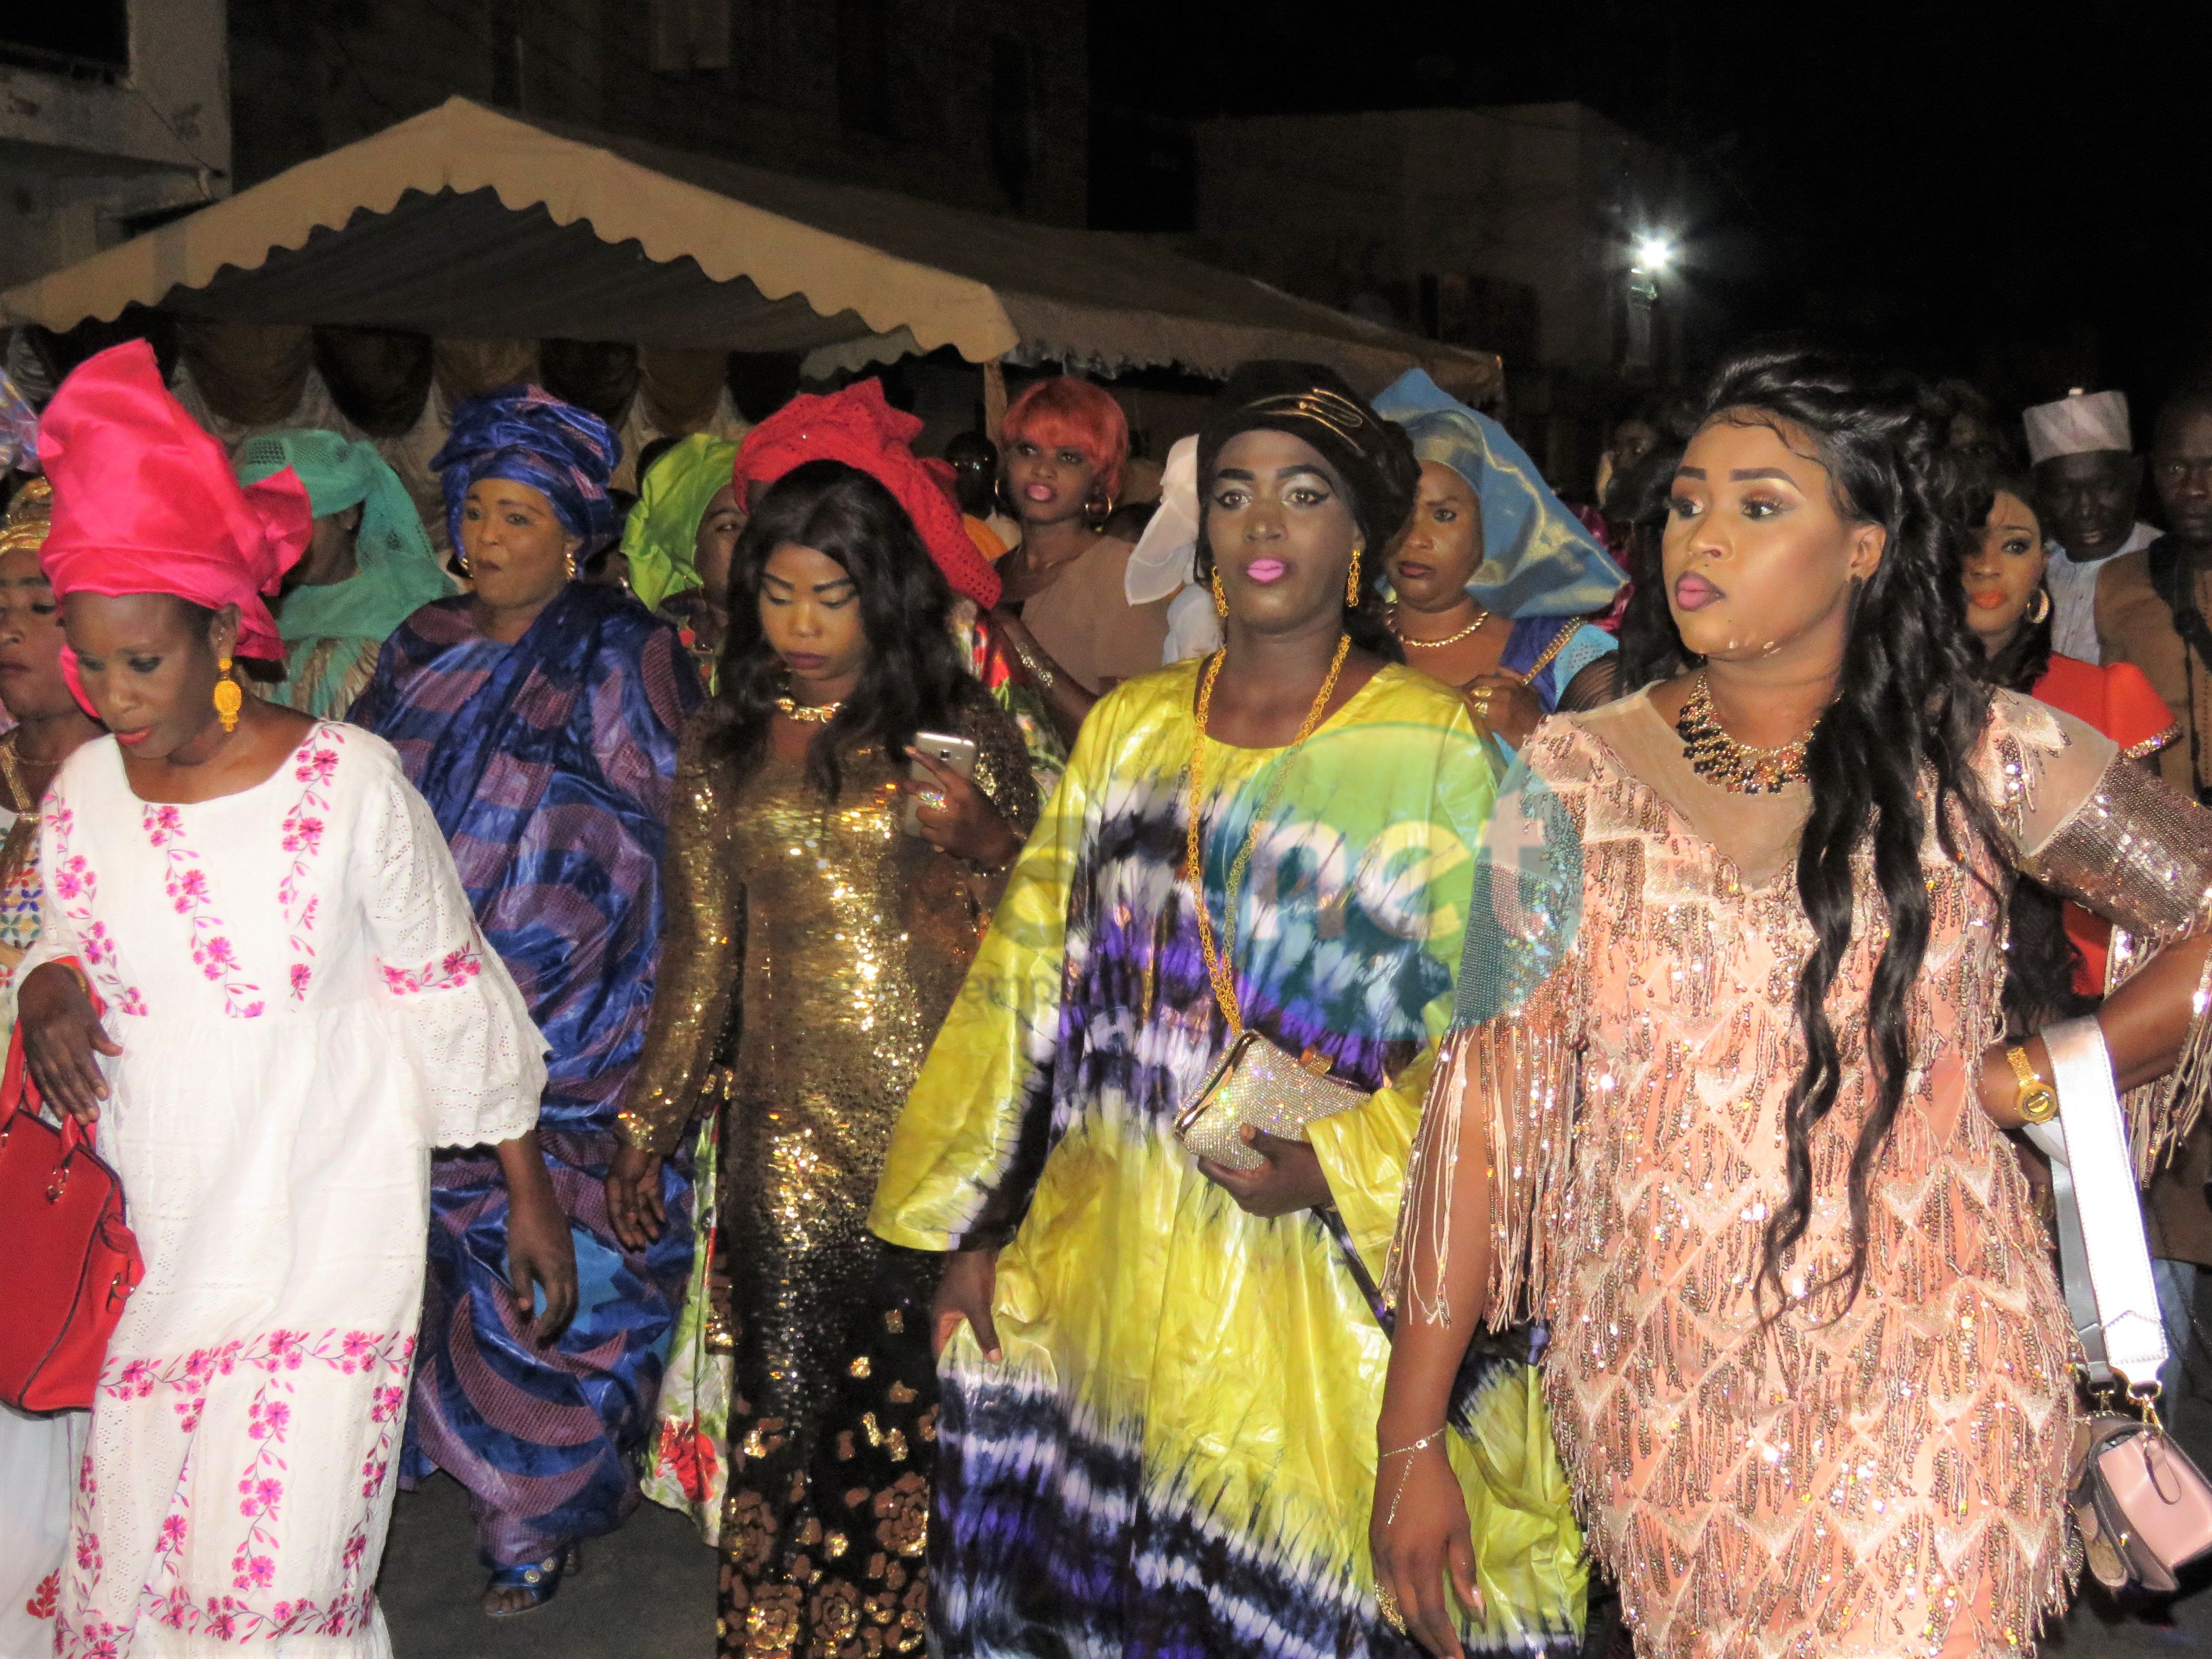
(812, 947)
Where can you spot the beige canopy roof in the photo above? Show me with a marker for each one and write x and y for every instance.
(465, 223)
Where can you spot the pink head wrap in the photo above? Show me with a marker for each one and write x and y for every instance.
(857, 427)
(145, 501)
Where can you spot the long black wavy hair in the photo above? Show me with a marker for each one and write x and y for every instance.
(1373, 457)
(1650, 647)
(2040, 960)
(1908, 712)
(913, 680)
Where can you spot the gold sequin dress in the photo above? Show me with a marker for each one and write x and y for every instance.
(1879, 1480)
(829, 946)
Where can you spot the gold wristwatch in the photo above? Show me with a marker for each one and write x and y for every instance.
(2037, 1101)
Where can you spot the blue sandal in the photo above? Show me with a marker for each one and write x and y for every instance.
(541, 1579)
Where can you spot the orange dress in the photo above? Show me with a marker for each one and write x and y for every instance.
(2118, 701)
(1875, 1479)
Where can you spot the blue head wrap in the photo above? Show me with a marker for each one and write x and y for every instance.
(1537, 559)
(18, 428)
(525, 434)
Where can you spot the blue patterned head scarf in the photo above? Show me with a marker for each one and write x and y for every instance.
(526, 435)
(1537, 559)
(18, 428)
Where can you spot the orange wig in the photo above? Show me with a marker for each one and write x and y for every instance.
(1066, 411)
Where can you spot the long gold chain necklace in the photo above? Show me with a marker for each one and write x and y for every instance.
(1481, 617)
(1194, 867)
(1736, 767)
(808, 714)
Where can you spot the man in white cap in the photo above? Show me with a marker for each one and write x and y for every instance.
(2088, 475)
(2151, 610)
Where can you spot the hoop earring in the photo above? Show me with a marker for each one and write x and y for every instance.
(1095, 512)
(2042, 607)
(229, 699)
(1220, 598)
(1352, 584)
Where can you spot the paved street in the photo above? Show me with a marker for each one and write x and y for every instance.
(646, 1593)
(649, 1592)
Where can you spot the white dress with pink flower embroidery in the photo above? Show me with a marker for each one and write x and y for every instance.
(305, 1008)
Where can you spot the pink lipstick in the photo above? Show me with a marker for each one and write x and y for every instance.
(1694, 592)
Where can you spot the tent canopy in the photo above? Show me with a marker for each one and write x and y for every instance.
(465, 223)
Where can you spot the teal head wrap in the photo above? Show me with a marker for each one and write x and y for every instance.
(398, 571)
(1537, 559)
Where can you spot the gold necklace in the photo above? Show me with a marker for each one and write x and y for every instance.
(1194, 867)
(808, 714)
(1481, 617)
(26, 804)
(1736, 767)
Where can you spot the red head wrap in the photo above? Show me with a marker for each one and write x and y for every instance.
(145, 501)
(857, 427)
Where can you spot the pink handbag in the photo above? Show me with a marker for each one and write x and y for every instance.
(2143, 1509)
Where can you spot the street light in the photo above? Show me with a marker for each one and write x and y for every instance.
(1654, 253)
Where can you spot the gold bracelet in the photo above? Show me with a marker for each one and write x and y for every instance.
(1429, 1439)
(1038, 672)
(2037, 1100)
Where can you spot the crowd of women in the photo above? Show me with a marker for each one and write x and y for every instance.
(1272, 1090)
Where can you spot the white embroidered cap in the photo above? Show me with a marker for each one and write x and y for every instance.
(2079, 423)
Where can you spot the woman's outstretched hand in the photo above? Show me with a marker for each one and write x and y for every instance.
(62, 1035)
(971, 1280)
(956, 815)
(1291, 1179)
(541, 1257)
(1507, 706)
(634, 1208)
(1419, 1538)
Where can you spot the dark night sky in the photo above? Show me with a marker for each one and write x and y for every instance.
(1958, 185)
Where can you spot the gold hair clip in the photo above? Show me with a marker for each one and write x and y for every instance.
(1330, 408)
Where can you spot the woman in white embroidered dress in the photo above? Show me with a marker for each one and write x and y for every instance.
(297, 1007)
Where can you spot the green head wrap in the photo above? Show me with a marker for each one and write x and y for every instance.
(660, 541)
(399, 574)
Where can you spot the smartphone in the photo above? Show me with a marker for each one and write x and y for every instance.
(959, 753)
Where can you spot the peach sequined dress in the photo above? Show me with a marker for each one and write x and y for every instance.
(1880, 1479)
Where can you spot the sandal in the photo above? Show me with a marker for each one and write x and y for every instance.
(540, 1579)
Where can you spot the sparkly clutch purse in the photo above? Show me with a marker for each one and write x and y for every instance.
(1256, 1083)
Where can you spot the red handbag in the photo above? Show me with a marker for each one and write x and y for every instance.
(68, 1262)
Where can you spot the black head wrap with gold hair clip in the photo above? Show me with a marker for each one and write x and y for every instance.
(1312, 402)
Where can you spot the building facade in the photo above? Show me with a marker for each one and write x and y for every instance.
(114, 115)
(980, 103)
(1516, 229)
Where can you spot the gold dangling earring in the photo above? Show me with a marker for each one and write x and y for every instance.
(1220, 598)
(2042, 607)
(1352, 584)
(229, 699)
(569, 562)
